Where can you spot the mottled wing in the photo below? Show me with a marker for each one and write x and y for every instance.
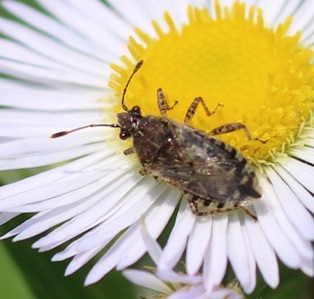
(207, 168)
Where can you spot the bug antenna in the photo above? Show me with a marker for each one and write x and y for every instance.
(63, 133)
(136, 68)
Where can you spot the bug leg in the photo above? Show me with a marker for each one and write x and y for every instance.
(162, 102)
(234, 127)
(193, 107)
(249, 213)
(129, 151)
(144, 171)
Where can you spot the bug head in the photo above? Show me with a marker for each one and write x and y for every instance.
(128, 122)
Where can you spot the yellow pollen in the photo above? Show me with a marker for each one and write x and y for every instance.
(261, 76)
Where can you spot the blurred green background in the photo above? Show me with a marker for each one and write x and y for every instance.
(27, 274)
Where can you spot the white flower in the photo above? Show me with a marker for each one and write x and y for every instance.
(57, 68)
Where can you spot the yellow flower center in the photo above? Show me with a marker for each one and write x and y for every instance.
(261, 77)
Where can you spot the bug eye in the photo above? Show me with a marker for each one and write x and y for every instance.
(136, 109)
(124, 135)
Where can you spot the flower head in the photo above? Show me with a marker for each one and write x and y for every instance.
(251, 65)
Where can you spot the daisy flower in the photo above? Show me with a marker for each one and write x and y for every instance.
(65, 64)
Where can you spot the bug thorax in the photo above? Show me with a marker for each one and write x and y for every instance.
(129, 121)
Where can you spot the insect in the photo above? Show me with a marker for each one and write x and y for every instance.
(214, 176)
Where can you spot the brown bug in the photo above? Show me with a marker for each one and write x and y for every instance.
(214, 176)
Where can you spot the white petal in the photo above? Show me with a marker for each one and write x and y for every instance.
(303, 153)
(58, 30)
(156, 220)
(78, 257)
(13, 51)
(174, 277)
(238, 253)
(272, 11)
(155, 224)
(85, 25)
(177, 240)
(197, 292)
(47, 159)
(300, 171)
(35, 145)
(112, 256)
(197, 244)
(105, 18)
(19, 194)
(303, 222)
(303, 17)
(215, 262)
(103, 206)
(134, 14)
(147, 280)
(249, 288)
(79, 260)
(265, 210)
(302, 246)
(153, 248)
(85, 204)
(305, 197)
(50, 98)
(30, 118)
(53, 76)
(47, 178)
(117, 221)
(264, 254)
